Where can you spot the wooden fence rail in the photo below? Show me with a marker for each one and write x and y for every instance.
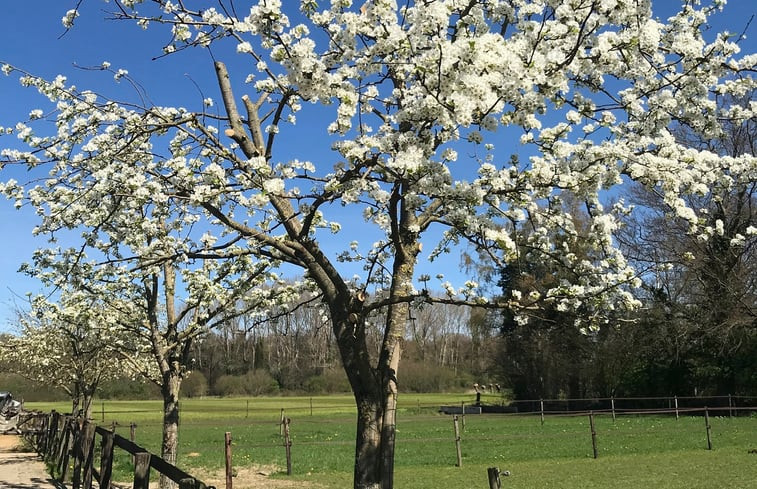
(58, 438)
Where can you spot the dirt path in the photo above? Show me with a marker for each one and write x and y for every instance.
(23, 470)
(20, 469)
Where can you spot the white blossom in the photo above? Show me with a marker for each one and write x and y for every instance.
(68, 19)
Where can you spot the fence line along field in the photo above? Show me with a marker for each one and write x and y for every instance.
(632, 450)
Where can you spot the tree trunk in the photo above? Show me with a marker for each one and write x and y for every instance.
(169, 448)
(86, 407)
(375, 389)
(388, 366)
(368, 444)
(374, 448)
(75, 401)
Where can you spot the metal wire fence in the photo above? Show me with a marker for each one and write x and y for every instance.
(322, 434)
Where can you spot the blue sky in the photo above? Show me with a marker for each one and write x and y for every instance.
(34, 39)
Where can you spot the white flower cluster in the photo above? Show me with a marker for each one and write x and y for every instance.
(415, 93)
(68, 19)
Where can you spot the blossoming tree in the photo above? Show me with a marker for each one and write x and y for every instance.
(68, 345)
(587, 90)
(149, 287)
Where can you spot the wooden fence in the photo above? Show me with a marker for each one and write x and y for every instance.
(68, 444)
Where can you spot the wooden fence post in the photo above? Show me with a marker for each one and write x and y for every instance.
(707, 428)
(288, 445)
(60, 433)
(43, 435)
(229, 469)
(281, 423)
(142, 470)
(462, 410)
(52, 429)
(593, 433)
(77, 449)
(89, 453)
(675, 403)
(102, 408)
(541, 409)
(494, 473)
(64, 448)
(52, 438)
(132, 435)
(494, 482)
(83, 448)
(60, 440)
(612, 406)
(57, 436)
(457, 442)
(106, 459)
(41, 425)
(311, 406)
(730, 406)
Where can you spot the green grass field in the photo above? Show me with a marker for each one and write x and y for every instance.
(634, 451)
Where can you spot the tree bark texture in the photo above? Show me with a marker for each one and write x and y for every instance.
(169, 447)
(375, 387)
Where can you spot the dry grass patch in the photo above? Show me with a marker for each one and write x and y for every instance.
(254, 477)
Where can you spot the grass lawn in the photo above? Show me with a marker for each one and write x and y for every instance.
(634, 451)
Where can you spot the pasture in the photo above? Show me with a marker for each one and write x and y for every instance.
(633, 451)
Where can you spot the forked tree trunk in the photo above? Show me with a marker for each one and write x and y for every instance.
(376, 426)
(81, 400)
(375, 388)
(169, 448)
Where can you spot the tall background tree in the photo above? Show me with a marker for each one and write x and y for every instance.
(695, 333)
(700, 292)
(146, 292)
